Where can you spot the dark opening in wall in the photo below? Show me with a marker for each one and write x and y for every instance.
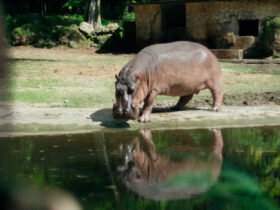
(173, 22)
(174, 15)
(248, 27)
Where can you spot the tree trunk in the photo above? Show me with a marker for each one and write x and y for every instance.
(98, 13)
(92, 12)
(94, 15)
(43, 7)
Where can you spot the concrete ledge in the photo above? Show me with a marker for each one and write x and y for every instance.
(228, 53)
(50, 121)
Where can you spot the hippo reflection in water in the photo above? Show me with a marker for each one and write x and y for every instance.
(174, 69)
(158, 177)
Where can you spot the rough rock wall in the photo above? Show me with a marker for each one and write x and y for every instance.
(210, 22)
(276, 44)
(148, 24)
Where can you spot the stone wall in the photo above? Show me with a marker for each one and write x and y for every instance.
(148, 24)
(214, 24)
(211, 22)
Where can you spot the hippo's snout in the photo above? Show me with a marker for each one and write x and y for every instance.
(119, 113)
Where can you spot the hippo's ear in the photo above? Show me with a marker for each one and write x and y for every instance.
(117, 77)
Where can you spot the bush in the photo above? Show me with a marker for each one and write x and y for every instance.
(129, 16)
(44, 31)
(53, 30)
(270, 29)
(24, 35)
(64, 20)
(66, 34)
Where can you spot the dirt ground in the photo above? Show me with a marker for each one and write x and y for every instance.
(84, 70)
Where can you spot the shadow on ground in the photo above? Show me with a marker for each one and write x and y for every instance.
(117, 45)
(105, 117)
(168, 109)
(33, 60)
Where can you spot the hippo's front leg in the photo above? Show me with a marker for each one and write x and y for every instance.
(148, 105)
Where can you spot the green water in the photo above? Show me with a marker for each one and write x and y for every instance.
(170, 169)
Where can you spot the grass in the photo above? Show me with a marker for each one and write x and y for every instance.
(255, 78)
(69, 93)
(82, 78)
(252, 68)
(64, 78)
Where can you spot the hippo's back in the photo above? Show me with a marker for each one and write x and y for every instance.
(179, 68)
(183, 51)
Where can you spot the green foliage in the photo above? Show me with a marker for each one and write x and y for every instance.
(26, 34)
(65, 34)
(48, 20)
(256, 149)
(270, 28)
(43, 31)
(64, 20)
(112, 10)
(74, 4)
(105, 22)
(129, 16)
(271, 183)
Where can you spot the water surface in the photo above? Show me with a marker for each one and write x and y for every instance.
(149, 169)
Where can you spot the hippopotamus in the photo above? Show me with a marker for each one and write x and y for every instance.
(158, 176)
(174, 69)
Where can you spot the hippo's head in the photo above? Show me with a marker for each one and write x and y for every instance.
(123, 108)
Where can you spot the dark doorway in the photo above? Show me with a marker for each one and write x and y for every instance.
(248, 27)
(173, 22)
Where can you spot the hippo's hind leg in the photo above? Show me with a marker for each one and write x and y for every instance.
(183, 100)
(217, 94)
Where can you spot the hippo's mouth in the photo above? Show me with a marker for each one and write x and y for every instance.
(123, 109)
(117, 114)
